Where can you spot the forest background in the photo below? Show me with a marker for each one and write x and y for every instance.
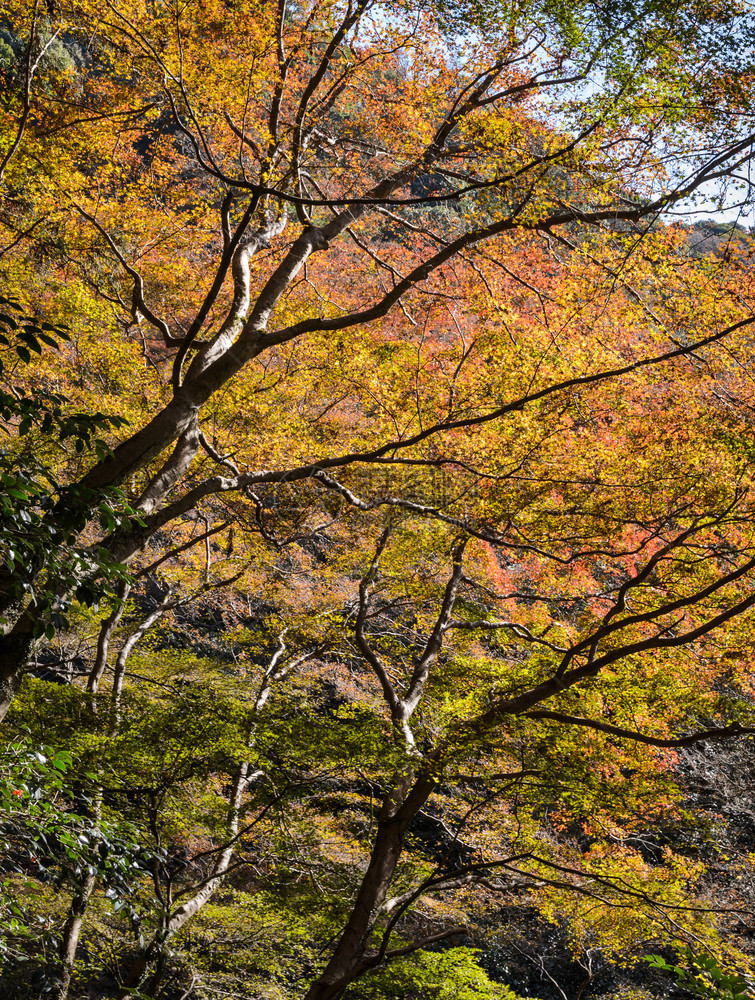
(378, 518)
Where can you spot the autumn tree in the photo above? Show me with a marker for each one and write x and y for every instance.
(222, 185)
(391, 301)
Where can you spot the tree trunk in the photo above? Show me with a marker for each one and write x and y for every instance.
(193, 905)
(72, 931)
(103, 639)
(76, 913)
(15, 650)
(347, 962)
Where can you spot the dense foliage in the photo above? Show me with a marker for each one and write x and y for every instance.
(378, 526)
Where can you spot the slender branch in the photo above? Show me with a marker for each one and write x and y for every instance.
(103, 639)
(409, 949)
(433, 646)
(389, 692)
(138, 303)
(520, 631)
(220, 484)
(30, 69)
(195, 540)
(717, 733)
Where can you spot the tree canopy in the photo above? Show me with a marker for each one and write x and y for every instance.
(378, 534)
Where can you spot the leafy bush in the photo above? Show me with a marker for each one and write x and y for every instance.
(432, 975)
(703, 976)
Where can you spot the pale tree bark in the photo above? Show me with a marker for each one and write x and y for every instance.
(72, 931)
(103, 639)
(173, 920)
(82, 894)
(77, 912)
(35, 53)
(409, 792)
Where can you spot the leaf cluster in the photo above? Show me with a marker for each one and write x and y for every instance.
(703, 975)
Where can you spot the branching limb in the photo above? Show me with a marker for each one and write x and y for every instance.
(433, 646)
(389, 692)
(719, 733)
(138, 304)
(216, 456)
(520, 631)
(409, 949)
(178, 549)
(173, 470)
(103, 639)
(30, 68)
